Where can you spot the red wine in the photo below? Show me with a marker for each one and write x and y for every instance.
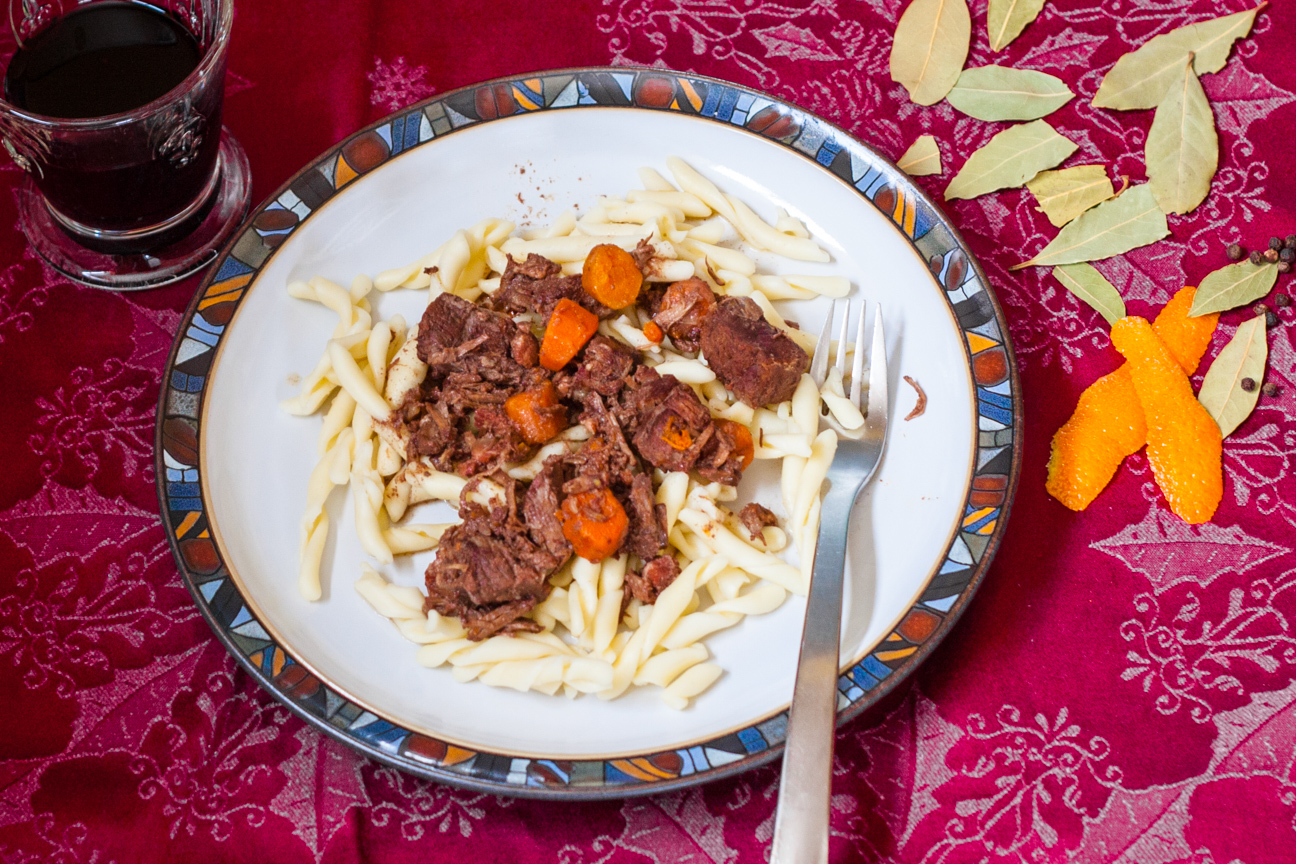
(107, 58)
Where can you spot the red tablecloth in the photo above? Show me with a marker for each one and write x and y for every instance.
(1122, 689)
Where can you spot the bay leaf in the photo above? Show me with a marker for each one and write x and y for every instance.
(1182, 149)
(1010, 159)
(1233, 285)
(931, 42)
(1003, 93)
(1006, 19)
(1140, 78)
(1084, 281)
(1065, 194)
(1243, 357)
(922, 158)
(1126, 222)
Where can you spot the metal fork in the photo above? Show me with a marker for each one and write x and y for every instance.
(801, 826)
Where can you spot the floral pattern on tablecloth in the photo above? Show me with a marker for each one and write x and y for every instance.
(1123, 689)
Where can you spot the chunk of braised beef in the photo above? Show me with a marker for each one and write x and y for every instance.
(647, 535)
(684, 307)
(488, 572)
(537, 284)
(750, 356)
(720, 461)
(451, 327)
(492, 421)
(524, 349)
(755, 517)
(603, 368)
(432, 430)
(673, 427)
(620, 458)
(656, 577)
(540, 507)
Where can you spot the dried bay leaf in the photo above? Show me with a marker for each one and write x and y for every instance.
(1142, 77)
(922, 158)
(1006, 19)
(1090, 286)
(1182, 149)
(1243, 357)
(1010, 159)
(1065, 194)
(1002, 93)
(1126, 222)
(1233, 285)
(931, 43)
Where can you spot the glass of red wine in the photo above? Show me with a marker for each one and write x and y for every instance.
(113, 108)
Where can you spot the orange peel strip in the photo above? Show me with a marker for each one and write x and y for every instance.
(1106, 427)
(1108, 422)
(1187, 338)
(1184, 446)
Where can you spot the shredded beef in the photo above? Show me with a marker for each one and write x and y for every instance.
(540, 507)
(603, 368)
(488, 572)
(755, 517)
(673, 425)
(657, 576)
(720, 460)
(647, 535)
(750, 356)
(537, 284)
(684, 308)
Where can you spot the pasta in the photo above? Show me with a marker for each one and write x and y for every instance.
(592, 639)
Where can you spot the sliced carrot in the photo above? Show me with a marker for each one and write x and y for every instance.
(537, 413)
(570, 327)
(653, 332)
(595, 523)
(611, 276)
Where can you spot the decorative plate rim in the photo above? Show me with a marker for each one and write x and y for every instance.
(919, 630)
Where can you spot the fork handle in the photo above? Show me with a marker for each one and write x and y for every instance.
(805, 788)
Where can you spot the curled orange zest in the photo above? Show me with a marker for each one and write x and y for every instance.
(1183, 442)
(1108, 422)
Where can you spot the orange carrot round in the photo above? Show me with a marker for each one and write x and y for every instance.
(537, 413)
(570, 327)
(595, 523)
(611, 276)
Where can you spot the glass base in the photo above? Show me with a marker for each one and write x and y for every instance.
(136, 271)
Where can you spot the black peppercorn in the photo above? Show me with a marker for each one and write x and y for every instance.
(1248, 384)
(1282, 301)
(1275, 243)
(1257, 258)
(1271, 256)
(1288, 255)
(1234, 252)
(1271, 319)
(1271, 389)
(1284, 267)
(1291, 241)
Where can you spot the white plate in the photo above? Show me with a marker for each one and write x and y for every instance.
(530, 166)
